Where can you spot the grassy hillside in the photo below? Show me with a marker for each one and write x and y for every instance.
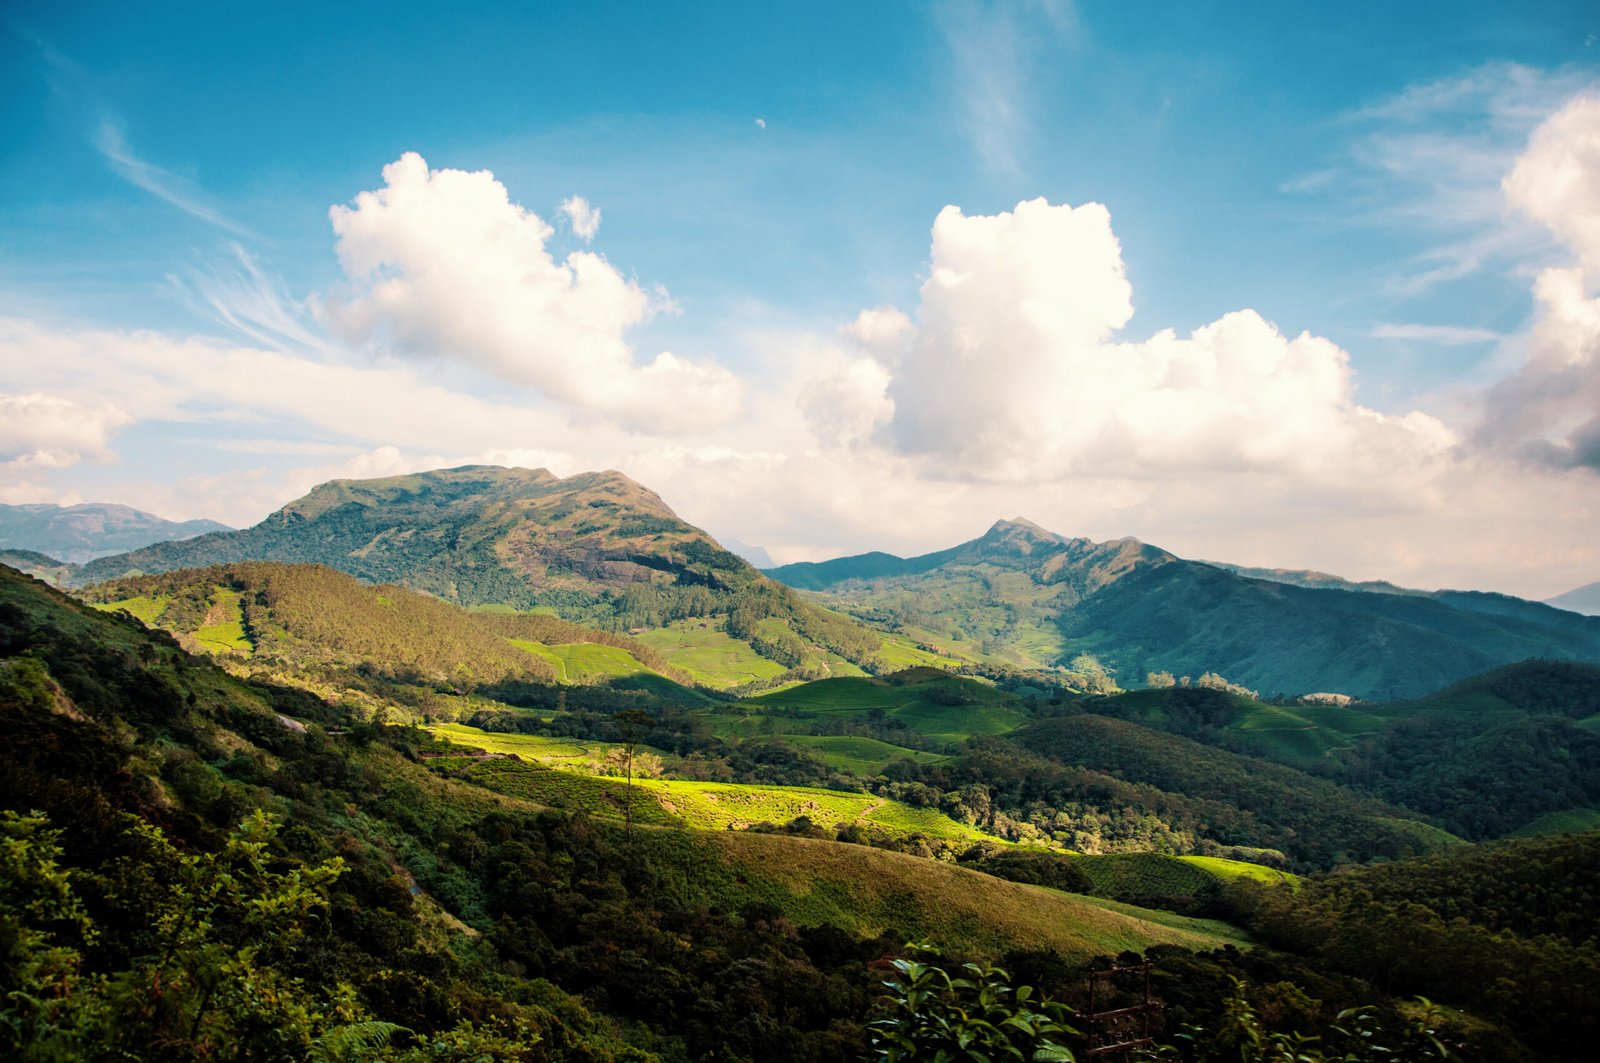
(815, 882)
(1301, 735)
(300, 618)
(698, 804)
(940, 707)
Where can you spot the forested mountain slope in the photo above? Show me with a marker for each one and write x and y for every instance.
(374, 909)
(597, 548)
(312, 618)
(1040, 599)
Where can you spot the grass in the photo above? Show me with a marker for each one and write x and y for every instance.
(871, 891)
(1160, 875)
(584, 662)
(709, 655)
(227, 634)
(1230, 870)
(899, 652)
(555, 788)
(704, 805)
(944, 708)
(529, 747)
(734, 806)
(147, 609)
(1570, 821)
(863, 756)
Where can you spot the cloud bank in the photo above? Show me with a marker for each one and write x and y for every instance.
(1549, 410)
(50, 432)
(1015, 372)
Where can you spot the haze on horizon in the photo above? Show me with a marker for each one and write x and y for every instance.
(1278, 288)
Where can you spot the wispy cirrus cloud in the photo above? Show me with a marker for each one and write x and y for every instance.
(1444, 335)
(1431, 159)
(994, 52)
(110, 141)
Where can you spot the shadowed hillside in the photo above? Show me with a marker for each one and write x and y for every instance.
(1029, 597)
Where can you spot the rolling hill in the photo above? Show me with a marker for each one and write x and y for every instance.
(1025, 595)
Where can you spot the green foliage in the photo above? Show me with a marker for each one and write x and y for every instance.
(975, 1017)
(1356, 1036)
(1313, 820)
(1507, 930)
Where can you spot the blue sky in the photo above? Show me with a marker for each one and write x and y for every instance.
(765, 173)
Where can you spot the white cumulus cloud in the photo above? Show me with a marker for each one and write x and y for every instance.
(1549, 410)
(441, 263)
(50, 432)
(584, 219)
(1014, 372)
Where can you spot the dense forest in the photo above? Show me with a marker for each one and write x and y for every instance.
(222, 867)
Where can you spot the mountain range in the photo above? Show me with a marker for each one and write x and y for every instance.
(93, 529)
(600, 549)
(1038, 599)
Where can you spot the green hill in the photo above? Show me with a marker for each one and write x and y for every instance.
(1031, 598)
(310, 620)
(1302, 735)
(596, 548)
(1490, 755)
(1314, 820)
(816, 882)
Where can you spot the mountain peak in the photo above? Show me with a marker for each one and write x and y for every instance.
(1022, 529)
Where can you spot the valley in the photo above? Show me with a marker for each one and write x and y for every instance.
(540, 717)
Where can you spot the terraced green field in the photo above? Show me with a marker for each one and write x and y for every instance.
(145, 608)
(555, 788)
(227, 635)
(899, 652)
(944, 708)
(1572, 821)
(732, 806)
(707, 653)
(1161, 875)
(704, 805)
(1228, 870)
(530, 747)
(864, 756)
(581, 662)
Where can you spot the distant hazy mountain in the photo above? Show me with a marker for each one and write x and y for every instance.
(1585, 600)
(756, 555)
(1299, 577)
(93, 529)
(39, 566)
(1033, 597)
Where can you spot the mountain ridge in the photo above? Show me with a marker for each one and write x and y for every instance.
(1045, 599)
